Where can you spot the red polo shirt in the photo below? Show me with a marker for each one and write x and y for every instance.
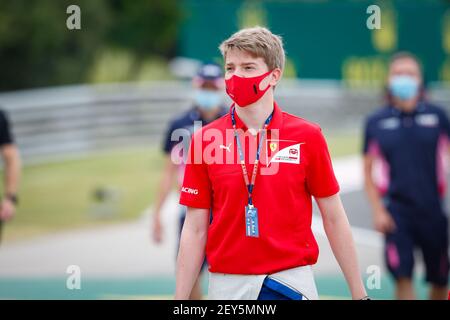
(294, 165)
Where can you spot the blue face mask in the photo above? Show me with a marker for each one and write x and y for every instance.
(404, 87)
(207, 99)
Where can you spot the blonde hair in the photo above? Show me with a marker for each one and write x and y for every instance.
(258, 42)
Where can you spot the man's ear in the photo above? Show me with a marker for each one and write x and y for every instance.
(272, 79)
(275, 77)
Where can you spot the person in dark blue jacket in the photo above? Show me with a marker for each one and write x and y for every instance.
(207, 106)
(405, 155)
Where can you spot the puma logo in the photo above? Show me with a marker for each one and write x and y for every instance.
(225, 147)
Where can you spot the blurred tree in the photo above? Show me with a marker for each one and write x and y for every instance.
(37, 48)
(145, 27)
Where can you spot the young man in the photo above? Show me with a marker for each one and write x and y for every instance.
(407, 140)
(259, 184)
(208, 85)
(11, 161)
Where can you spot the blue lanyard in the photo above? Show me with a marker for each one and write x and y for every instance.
(248, 184)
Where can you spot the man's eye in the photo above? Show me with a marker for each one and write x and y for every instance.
(228, 69)
(248, 68)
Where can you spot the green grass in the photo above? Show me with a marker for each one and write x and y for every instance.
(59, 196)
(343, 143)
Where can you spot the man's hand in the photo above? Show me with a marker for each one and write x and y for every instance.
(157, 228)
(383, 221)
(7, 210)
(164, 187)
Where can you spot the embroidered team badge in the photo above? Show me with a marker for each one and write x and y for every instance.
(288, 154)
(273, 146)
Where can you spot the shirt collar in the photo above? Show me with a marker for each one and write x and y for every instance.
(418, 109)
(275, 123)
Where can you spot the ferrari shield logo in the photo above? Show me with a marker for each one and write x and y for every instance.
(273, 146)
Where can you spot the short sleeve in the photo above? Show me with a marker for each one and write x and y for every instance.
(320, 178)
(368, 137)
(167, 143)
(444, 123)
(196, 190)
(5, 131)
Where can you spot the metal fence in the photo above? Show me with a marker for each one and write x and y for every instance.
(66, 121)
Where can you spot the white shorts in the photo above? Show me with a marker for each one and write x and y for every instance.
(224, 286)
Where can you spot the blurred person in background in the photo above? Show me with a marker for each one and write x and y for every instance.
(11, 162)
(407, 140)
(207, 106)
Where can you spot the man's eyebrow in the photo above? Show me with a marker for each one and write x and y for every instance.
(242, 64)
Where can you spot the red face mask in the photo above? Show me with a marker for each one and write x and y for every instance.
(245, 91)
